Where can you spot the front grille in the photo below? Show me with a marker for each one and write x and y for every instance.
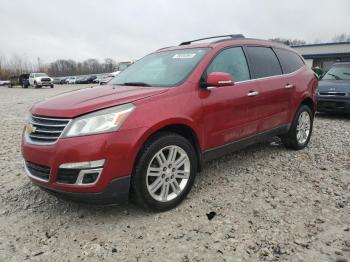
(336, 106)
(39, 171)
(67, 176)
(332, 94)
(46, 130)
(45, 79)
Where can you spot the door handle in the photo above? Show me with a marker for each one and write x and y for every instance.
(253, 93)
(289, 86)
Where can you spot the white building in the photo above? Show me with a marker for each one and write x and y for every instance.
(324, 55)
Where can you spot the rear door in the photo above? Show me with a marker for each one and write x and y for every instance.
(272, 99)
(291, 63)
(229, 111)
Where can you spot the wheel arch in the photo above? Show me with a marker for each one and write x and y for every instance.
(308, 102)
(182, 128)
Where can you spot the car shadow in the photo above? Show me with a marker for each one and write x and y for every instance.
(333, 116)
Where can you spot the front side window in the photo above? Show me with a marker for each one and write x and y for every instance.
(232, 61)
(165, 68)
(338, 72)
(290, 61)
(264, 61)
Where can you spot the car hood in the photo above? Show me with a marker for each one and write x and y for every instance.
(79, 102)
(334, 85)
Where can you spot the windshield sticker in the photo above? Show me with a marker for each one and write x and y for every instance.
(184, 55)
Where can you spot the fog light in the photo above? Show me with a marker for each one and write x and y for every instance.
(90, 178)
(84, 165)
(80, 173)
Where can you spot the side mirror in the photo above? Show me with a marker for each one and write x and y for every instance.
(218, 79)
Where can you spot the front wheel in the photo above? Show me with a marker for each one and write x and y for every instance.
(52, 86)
(300, 132)
(165, 172)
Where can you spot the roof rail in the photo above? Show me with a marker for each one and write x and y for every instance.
(236, 36)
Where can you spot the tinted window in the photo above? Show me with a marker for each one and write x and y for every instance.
(232, 61)
(264, 61)
(290, 61)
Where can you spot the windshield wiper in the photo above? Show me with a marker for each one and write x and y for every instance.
(335, 76)
(136, 84)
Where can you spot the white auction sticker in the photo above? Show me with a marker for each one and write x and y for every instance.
(184, 55)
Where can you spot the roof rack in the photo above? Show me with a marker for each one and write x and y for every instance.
(236, 36)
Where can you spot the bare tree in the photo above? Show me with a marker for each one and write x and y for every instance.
(20, 64)
(289, 42)
(341, 38)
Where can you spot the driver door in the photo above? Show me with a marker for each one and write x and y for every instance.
(229, 111)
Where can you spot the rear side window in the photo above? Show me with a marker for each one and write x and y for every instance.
(290, 61)
(263, 61)
(232, 61)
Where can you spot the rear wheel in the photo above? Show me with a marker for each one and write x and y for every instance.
(165, 172)
(300, 132)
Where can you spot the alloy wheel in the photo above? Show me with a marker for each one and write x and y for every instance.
(168, 173)
(303, 127)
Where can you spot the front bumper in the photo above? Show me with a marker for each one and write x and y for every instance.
(116, 192)
(44, 83)
(333, 104)
(118, 149)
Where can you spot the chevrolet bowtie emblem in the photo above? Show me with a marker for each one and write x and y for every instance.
(30, 128)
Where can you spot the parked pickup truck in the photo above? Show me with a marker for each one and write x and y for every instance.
(39, 80)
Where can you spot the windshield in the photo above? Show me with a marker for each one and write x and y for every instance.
(339, 72)
(167, 68)
(40, 74)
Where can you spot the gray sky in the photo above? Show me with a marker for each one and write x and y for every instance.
(81, 29)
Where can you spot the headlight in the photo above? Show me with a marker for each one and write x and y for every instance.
(106, 120)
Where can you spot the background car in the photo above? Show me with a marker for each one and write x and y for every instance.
(71, 80)
(86, 80)
(80, 79)
(99, 78)
(38, 80)
(334, 90)
(59, 80)
(5, 82)
(106, 79)
(21, 80)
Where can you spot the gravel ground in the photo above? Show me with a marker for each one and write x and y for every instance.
(270, 204)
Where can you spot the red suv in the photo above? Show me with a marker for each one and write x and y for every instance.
(148, 132)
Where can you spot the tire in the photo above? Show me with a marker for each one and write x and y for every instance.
(52, 86)
(295, 139)
(144, 180)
